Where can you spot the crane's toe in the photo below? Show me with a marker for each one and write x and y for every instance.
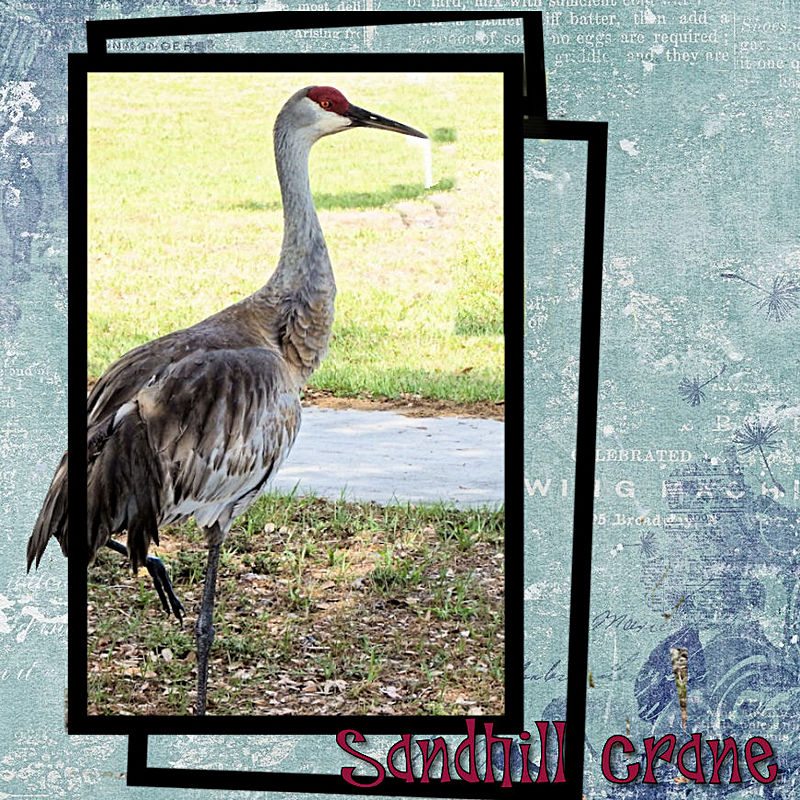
(170, 602)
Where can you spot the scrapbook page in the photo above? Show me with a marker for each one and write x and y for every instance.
(692, 556)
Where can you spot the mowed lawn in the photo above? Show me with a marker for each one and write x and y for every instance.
(323, 607)
(185, 218)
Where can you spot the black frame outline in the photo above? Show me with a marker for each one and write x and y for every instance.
(536, 125)
(79, 720)
(98, 32)
(595, 134)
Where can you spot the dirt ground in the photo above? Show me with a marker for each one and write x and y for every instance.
(410, 405)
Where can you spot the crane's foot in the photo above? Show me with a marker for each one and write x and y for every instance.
(163, 585)
(169, 601)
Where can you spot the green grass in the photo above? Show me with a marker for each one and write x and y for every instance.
(184, 219)
(322, 607)
(479, 293)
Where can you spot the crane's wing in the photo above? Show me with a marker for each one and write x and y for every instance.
(120, 384)
(131, 372)
(202, 439)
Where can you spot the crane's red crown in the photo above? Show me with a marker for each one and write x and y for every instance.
(329, 99)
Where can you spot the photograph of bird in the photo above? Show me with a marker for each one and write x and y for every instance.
(195, 423)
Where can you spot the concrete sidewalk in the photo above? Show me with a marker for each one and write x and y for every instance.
(387, 457)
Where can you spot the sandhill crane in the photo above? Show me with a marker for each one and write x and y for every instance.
(196, 422)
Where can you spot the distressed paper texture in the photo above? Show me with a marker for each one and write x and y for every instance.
(695, 546)
(555, 181)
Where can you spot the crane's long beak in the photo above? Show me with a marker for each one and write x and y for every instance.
(360, 118)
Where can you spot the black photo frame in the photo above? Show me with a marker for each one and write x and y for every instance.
(525, 94)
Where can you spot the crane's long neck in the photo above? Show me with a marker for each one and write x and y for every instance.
(302, 289)
(302, 233)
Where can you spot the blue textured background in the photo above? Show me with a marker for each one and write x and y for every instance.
(701, 552)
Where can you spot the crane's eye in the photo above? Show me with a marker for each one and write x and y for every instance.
(326, 104)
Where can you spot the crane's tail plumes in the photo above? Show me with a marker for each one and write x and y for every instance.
(124, 483)
(122, 493)
(53, 519)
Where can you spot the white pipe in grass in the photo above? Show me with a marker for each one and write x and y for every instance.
(427, 157)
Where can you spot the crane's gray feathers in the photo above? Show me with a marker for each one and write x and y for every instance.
(202, 440)
(122, 490)
(221, 423)
(305, 325)
(53, 519)
(148, 363)
(193, 423)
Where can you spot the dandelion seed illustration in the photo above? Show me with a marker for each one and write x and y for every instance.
(780, 301)
(647, 542)
(691, 390)
(755, 436)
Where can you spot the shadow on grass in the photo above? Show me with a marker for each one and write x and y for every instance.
(362, 200)
(444, 135)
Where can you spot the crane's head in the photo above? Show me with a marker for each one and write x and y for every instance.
(318, 111)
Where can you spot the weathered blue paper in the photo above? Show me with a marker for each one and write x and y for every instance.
(696, 541)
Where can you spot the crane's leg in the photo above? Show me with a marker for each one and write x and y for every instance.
(158, 572)
(204, 629)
